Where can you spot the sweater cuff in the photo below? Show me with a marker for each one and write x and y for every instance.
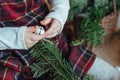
(21, 37)
(12, 38)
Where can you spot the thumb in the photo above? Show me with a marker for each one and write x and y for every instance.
(45, 21)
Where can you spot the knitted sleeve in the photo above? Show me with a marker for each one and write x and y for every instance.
(59, 11)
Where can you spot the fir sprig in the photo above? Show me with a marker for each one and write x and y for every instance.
(49, 59)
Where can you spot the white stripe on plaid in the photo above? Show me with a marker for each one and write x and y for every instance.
(22, 57)
(33, 19)
(79, 59)
(5, 72)
(25, 6)
(86, 64)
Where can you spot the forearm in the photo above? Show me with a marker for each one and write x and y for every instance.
(12, 38)
(59, 10)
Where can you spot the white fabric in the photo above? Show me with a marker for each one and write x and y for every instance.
(13, 38)
(101, 70)
(59, 11)
(118, 68)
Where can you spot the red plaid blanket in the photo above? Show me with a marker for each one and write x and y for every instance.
(21, 12)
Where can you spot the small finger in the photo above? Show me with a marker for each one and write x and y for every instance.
(37, 37)
(45, 21)
(33, 28)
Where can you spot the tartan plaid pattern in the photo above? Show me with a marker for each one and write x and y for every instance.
(14, 64)
(80, 58)
(21, 12)
(12, 69)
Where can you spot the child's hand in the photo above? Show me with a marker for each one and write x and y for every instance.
(30, 37)
(53, 25)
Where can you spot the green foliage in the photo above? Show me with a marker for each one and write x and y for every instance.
(89, 77)
(49, 59)
(90, 29)
(76, 7)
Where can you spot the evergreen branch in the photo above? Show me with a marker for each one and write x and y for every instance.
(54, 51)
(49, 63)
(52, 57)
